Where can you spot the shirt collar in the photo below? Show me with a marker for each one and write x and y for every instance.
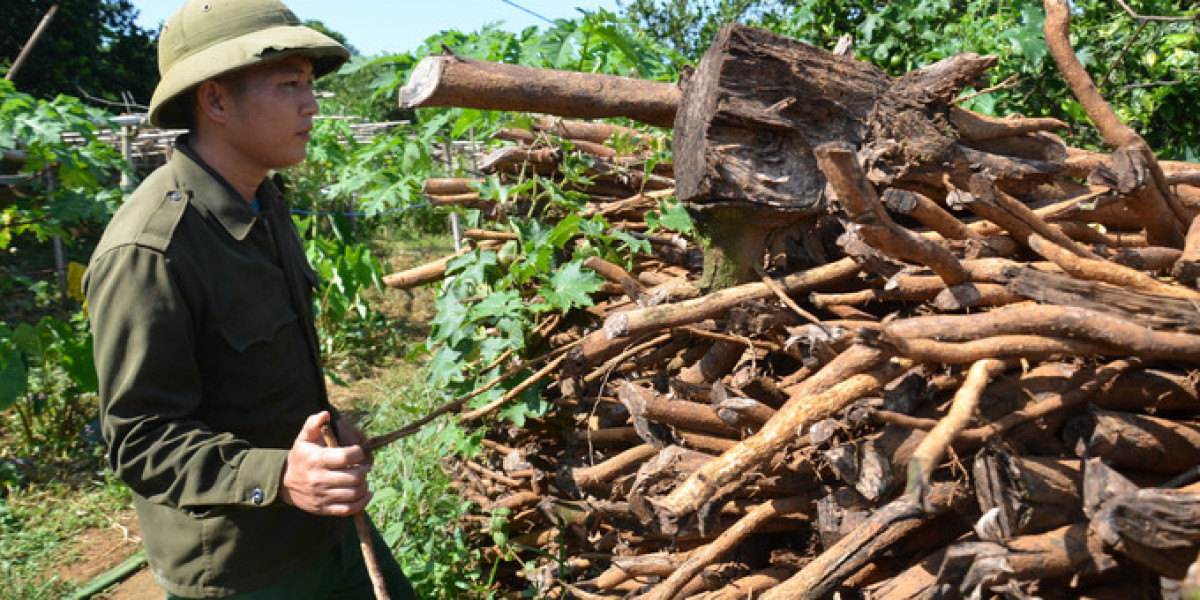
(211, 193)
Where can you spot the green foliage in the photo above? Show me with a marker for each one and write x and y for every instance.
(1152, 83)
(671, 215)
(379, 178)
(688, 27)
(415, 504)
(62, 185)
(353, 334)
(91, 47)
(1152, 88)
(493, 300)
(363, 86)
(48, 380)
(597, 42)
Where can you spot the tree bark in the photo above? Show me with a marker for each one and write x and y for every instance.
(1162, 220)
(780, 431)
(450, 80)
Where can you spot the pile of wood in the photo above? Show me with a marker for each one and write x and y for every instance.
(962, 364)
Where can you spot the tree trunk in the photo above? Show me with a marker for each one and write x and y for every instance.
(449, 80)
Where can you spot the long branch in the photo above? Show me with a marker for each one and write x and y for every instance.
(777, 433)
(1161, 218)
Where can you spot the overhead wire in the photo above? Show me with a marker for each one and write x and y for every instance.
(518, 6)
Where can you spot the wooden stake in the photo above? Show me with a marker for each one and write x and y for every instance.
(362, 526)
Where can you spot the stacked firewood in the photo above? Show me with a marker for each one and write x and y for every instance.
(963, 364)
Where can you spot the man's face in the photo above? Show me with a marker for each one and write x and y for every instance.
(271, 119)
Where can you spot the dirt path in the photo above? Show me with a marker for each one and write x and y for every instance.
(100, 549)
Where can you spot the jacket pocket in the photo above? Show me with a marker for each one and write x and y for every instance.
(263, 337)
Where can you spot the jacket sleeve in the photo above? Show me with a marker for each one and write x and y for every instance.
(150, 389)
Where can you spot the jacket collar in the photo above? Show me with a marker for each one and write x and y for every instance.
(211, 193)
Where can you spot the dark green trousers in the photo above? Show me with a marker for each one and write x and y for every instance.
(339, 575)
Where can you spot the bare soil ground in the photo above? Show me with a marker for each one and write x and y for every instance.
(100, 549)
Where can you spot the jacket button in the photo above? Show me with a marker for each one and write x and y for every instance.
(256, 496)
(175, 195)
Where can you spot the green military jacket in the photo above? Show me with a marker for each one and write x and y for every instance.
(208, 361)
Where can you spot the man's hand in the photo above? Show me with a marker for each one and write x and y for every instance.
(323, 480)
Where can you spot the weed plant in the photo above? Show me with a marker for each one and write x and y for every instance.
(415, 505)
(39, 525)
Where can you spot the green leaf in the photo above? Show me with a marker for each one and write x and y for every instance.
(497, 304)
(452, 316)
(673, 216)
(572, 286)
(444, 367)
(14, 381)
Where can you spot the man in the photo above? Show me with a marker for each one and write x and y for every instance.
(212, 394)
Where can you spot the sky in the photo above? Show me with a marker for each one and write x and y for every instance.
(383, 26)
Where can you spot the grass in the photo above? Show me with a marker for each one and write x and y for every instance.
(40, 525)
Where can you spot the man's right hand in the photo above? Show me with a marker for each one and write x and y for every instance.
(323, 480)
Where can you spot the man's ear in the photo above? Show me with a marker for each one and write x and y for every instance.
(213, 101)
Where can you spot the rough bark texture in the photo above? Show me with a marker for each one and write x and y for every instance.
(915, 299)
(450, 80)
(754, 110)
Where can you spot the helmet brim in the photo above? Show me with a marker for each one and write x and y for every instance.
(263, 46)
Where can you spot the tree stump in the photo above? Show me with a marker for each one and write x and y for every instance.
(750, 116)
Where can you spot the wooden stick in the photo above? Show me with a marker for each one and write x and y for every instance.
(989, 202)
(616, 274)
(933, 448)
(749, 586)
(363, 528)
(429, 272)
(1100, 270)
(837, 161)
(776, 434)
(1187, 268)
(446, 186)
(883, 529)
(513, 393)
(626, 568)
(1119, 334)
(635, 322)
(1144, 442)
(612, 363)
(1059, 553)
(728, 540)
(598, 133)
(382, 440)
(1090, 390)
(974, 127)
(920, 288)
(1149, 258)
(1029, 347)
(645, 403)
(629, 460)
(30, 43)
(929, 213)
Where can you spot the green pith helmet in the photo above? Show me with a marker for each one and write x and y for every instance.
(208, 38)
